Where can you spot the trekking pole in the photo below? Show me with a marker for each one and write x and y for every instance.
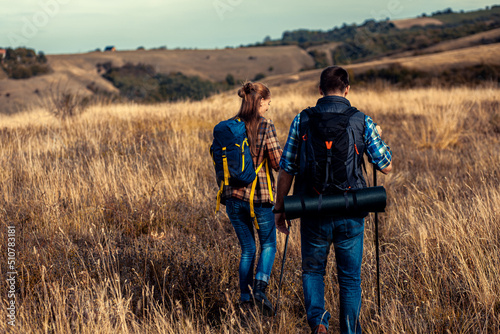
(282, 270)
(377, 256)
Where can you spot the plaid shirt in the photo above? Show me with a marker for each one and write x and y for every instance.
(378, 152)
(267, 147)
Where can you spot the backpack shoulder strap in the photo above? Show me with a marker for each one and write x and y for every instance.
(254, 184)
(305, 115)
(351, 112)
(301, 150)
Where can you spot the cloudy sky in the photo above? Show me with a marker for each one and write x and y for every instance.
(73, 26)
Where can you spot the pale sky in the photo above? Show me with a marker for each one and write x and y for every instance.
(74, 26)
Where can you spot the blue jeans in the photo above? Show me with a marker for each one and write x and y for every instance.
(347, 237)
(239, 215)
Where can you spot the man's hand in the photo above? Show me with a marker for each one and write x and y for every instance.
(281, 223)
(284, 184)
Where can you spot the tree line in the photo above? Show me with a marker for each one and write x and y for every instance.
(23, 63)
(374, 39)
(141, 83)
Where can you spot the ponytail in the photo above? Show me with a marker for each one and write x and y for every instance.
(252, 94)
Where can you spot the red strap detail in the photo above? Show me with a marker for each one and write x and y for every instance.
(356, 148)
(304, 137)
(328, 144)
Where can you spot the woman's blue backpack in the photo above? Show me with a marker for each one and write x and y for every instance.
(230, 152)
(233, 162)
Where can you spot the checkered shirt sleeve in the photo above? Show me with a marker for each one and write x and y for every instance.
(378, 152)
(288, 160)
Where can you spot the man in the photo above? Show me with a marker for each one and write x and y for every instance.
(317, 234)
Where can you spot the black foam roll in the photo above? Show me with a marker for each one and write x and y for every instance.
(351, 203)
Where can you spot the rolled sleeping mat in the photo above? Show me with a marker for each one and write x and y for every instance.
(356, 203)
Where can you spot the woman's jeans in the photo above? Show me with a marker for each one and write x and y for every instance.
(347, 237)
(239, 215)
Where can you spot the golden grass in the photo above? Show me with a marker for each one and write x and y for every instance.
(116, 232)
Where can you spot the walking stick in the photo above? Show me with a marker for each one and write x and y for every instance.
(377, 244)
(282, 270)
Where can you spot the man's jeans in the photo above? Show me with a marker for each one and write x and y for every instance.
(239, 215)
(316, 237)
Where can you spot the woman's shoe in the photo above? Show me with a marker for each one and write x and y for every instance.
(259, 294)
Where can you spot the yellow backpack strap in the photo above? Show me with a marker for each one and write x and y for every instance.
(252, 193)
(269, 186)
(225, 166)
(243, 153)
(219, 194)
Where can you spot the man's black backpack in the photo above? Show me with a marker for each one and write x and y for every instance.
(331, 151)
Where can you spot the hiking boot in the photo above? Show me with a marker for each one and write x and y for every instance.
(320, 329)
(259, 294)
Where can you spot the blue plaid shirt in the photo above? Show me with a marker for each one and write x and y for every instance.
(378, 152)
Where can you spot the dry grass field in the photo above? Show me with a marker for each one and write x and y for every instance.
(115, 230)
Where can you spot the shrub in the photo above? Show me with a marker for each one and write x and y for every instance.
(63, 104)
(141, 83)
(23, 63)
(19, 72)
(320, 59)
(230, 80)
(38, 69)
(177, 86)
(401, 76)
(259, 76)
(41, 58)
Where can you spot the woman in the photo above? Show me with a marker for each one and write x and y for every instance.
(264, 144)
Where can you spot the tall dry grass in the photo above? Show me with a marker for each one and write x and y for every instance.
(116, 231)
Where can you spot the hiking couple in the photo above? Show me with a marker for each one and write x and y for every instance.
(251, 207)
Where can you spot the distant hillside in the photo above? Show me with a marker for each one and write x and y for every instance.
(374, 39)
(23, 63)
(408, 52)
(430, 68)
(450, 17)
(416, 22)
(79, 73)
(479, 20)
(482, 38)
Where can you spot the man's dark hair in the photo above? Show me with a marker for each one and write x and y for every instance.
(333, 79)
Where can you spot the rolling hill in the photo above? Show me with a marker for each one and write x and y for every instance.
(75, 72)
(278, 64)
(430, 63)
(419, 21)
